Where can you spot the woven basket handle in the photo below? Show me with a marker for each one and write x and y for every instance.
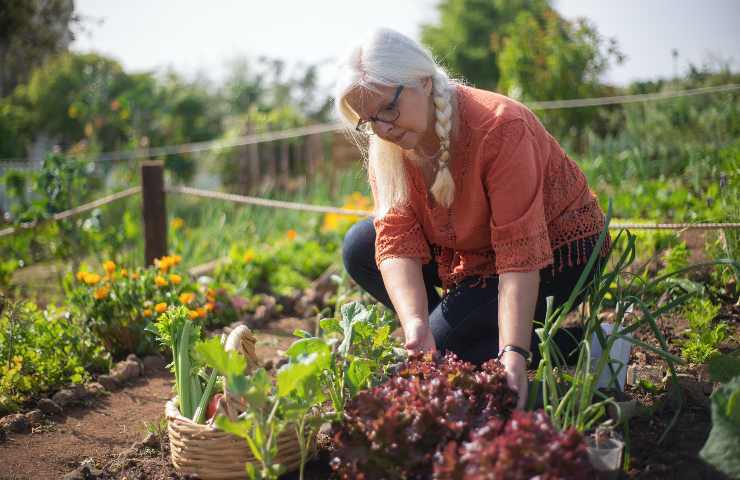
(243, 341)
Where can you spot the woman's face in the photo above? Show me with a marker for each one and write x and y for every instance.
(414, 104)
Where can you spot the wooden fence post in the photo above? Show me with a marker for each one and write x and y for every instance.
(153, 210)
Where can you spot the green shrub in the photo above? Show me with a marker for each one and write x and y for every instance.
(41, 350)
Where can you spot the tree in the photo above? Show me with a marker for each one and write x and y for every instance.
(525, 49)
(30, 32)
(469, 36)
(546, 57)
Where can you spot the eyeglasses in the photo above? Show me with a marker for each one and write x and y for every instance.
(389, 114)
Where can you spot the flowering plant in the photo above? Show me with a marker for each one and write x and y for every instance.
(119, 304)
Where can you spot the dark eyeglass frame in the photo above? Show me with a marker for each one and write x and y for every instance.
(391, 105)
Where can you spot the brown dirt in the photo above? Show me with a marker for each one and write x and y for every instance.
(105, 426)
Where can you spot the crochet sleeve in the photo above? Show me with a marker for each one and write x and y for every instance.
(514, 184)
(398, 233)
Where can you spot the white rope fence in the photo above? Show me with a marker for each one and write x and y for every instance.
(220, 144)
(74, 211)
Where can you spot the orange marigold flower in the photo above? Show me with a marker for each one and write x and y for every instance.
(160, 281)
(193, 314)
(175, 279)
(201, 312)
(292, 234)
(109, 266)
(102, 293)
(81, 276)
(160, 307)
(163, 263)
(210, 306)
(91, 278)
(135, 276)
(249, 255)
(147, 312)
(176, 259)
(186, 297)
(124, 273)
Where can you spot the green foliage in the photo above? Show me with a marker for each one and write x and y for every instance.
(284, 267)
(120, 304)
(724, 367)
(703, 337)
(332, 366)
(722, 448)
(32, 30)
(42, 350)
(470, 36)
(179, 333)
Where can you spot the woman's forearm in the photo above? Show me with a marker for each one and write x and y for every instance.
(405, 285)
(517, 303)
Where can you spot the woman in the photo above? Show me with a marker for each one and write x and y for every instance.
(471, 194)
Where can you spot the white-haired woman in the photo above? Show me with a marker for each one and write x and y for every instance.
(471, 194)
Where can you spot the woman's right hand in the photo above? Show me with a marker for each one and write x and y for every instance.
(418, 337)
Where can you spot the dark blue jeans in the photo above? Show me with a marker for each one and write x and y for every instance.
(465, 321)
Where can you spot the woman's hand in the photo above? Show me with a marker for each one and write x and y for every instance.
(516, 375)
(418, 336)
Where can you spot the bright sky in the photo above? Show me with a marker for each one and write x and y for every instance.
(192, 37)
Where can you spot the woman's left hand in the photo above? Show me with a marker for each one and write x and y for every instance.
(516, 376)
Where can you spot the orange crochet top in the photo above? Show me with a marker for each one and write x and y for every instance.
(518, 197)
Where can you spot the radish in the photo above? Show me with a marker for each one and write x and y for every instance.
(213, 405)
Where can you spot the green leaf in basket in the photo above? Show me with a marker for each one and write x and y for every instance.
(213, 354)
(259, 388)
(240, 428)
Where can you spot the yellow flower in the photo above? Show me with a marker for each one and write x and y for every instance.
(176, 259)
(109, 267)
(160, 281)
(249, 255)
(81, 276)
(163, 263)
(175, 279)
(147, 312)
(124, 273)
(102, 293)
(292, 234)
(186, 297)
(91, 278)
(193, 314)
(177, 223)
(160, 307)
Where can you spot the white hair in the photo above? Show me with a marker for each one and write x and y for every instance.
(390, 58)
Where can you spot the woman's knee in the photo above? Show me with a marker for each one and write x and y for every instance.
(358, 247)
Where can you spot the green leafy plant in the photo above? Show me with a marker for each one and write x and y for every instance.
(119, 304)
(42, 350)
(703, 337)
(576, 401)
(179, 333)
(722, 448)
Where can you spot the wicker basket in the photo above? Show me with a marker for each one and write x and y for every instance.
(213, 454)
(203, 450)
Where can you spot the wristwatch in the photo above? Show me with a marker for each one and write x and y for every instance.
(513, 348)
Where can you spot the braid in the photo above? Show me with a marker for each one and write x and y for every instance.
(443, 188)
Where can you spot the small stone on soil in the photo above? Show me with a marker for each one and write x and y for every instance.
(35, 417)
(16, 422)
(49, 407)
(108, 382)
